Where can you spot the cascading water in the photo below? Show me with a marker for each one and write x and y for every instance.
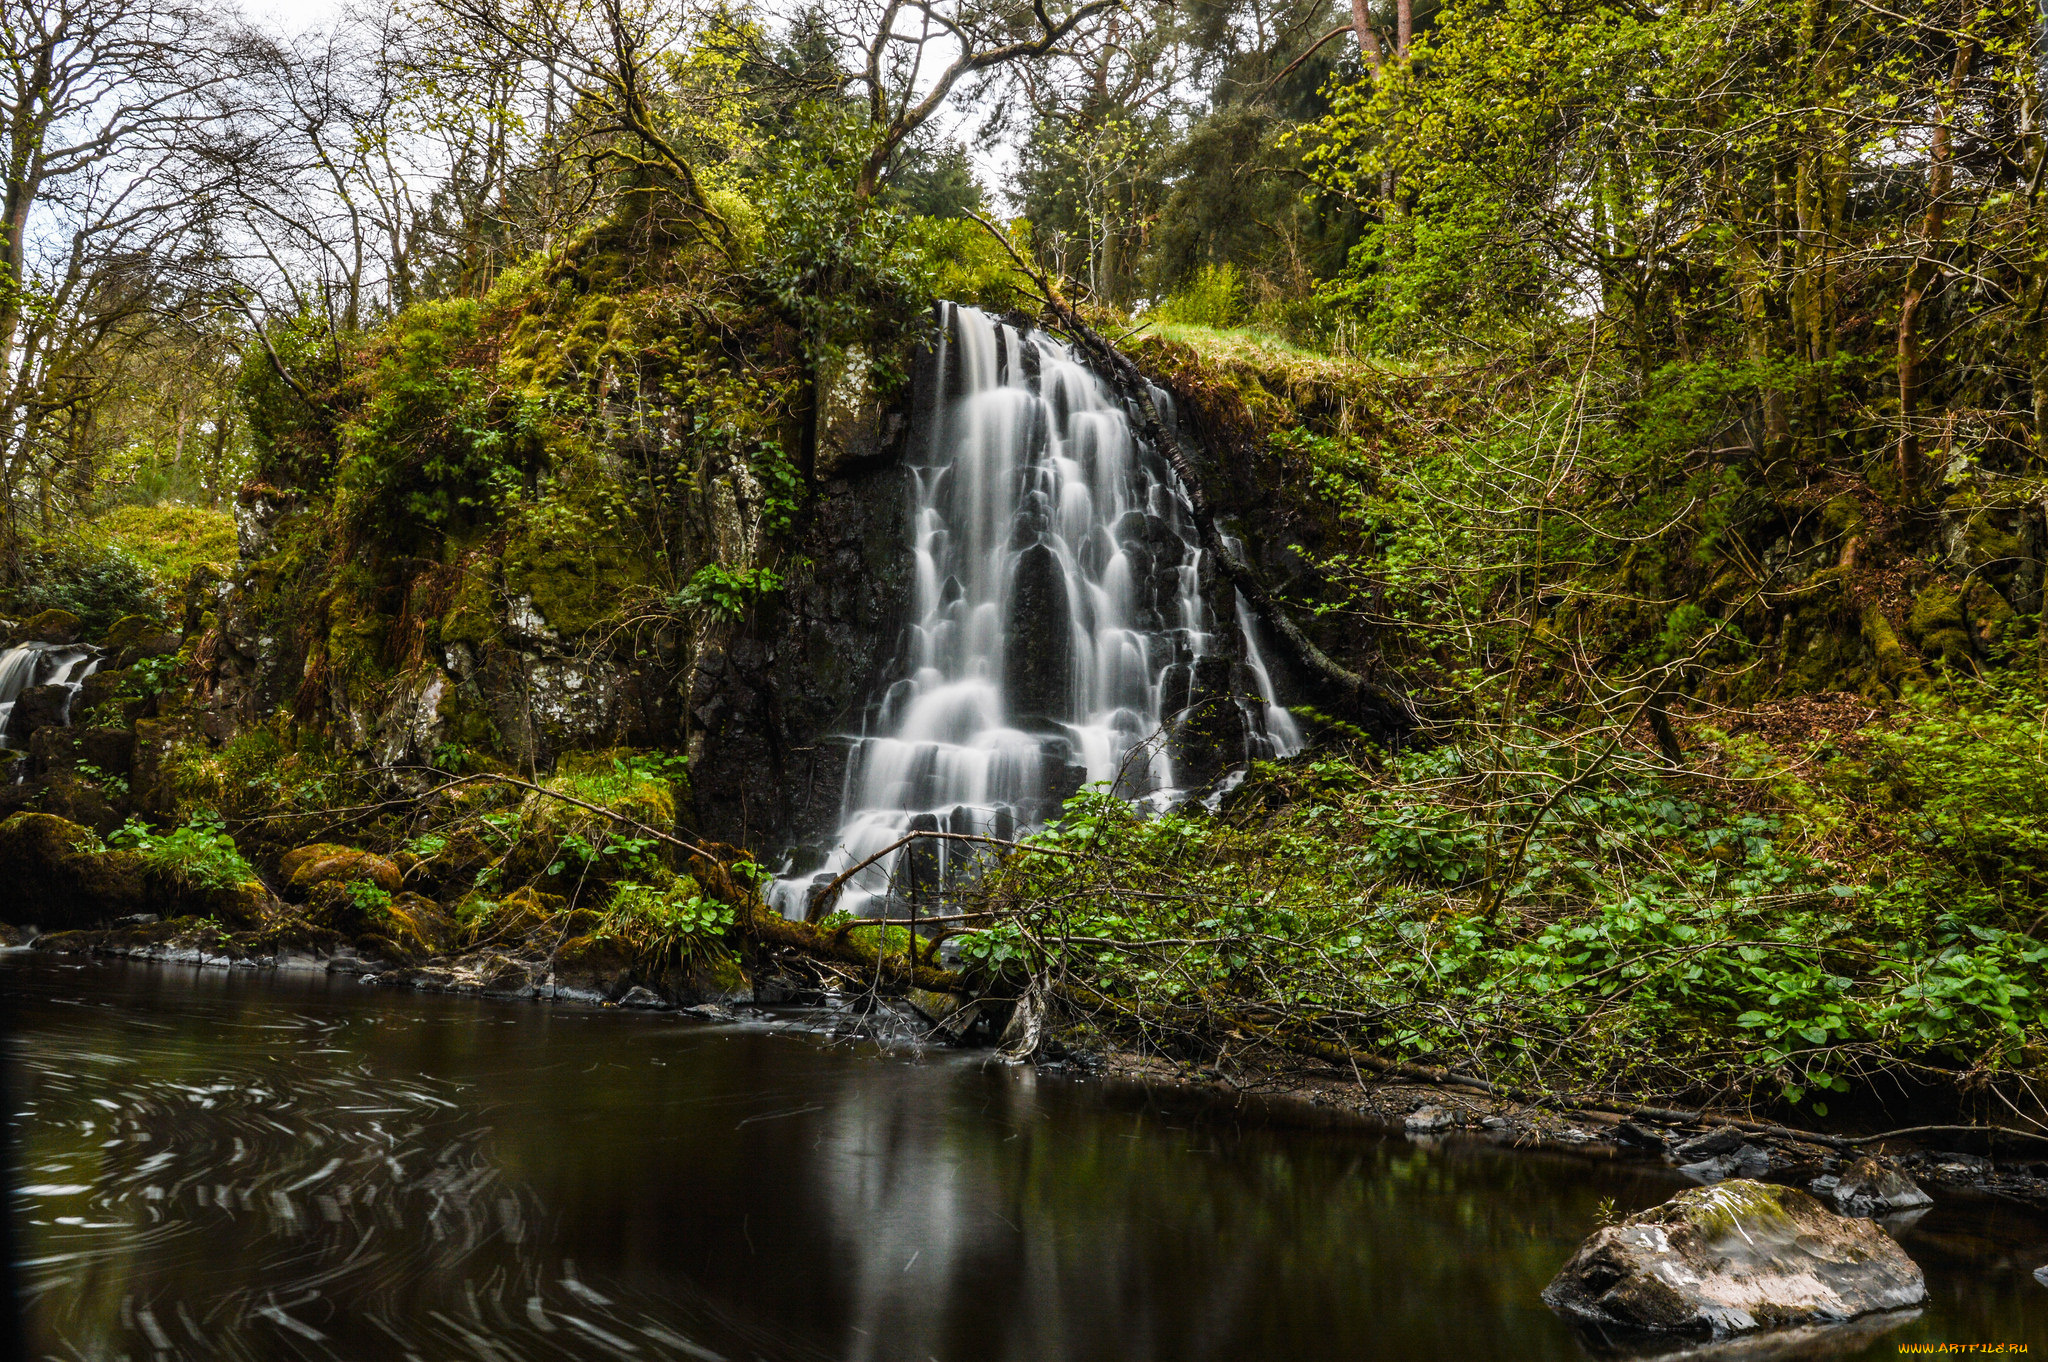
(1057, 618)
(42, 664)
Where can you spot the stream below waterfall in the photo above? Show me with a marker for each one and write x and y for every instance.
(215, 1163)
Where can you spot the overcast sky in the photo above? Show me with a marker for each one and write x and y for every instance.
(290, 15)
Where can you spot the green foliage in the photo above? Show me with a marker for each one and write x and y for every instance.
(289, 424)
(672, 924)
(110, 783)
(369, 898)
(98, 581)
(726, 591)
(199, 855)
(967, 265)
(438, 447)
(1652, 936)
(1213, 297)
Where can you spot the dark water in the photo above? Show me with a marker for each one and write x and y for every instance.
(211, 1164)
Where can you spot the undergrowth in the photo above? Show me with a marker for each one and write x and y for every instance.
(1722, 933)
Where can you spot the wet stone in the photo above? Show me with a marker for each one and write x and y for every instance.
(1733, 1258)
(1870, 1188)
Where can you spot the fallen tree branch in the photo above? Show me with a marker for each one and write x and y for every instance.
(1327, 1050)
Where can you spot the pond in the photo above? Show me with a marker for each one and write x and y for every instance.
(214, 1163)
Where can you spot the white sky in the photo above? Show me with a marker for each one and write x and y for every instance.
(293, 16)
(994, 162)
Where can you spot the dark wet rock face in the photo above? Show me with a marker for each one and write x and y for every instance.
(1039, 635)
(768, 701)
(1733, 1258)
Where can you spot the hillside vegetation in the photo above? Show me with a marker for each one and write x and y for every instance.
(1648, 408)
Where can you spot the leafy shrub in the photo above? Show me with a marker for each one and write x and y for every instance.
(668, 924)
(969, 266)
(438, 446)
(199, 855)
(98, 582)
(1214, 297)
(726, 591)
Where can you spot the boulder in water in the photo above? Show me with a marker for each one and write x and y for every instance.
(1732, 1258)
(1869, 1188)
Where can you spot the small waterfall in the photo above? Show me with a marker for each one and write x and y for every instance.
(1057, 617)
(43, 664)
(1271, 731)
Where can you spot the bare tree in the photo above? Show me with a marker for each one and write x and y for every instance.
(111, 113)
(904, 39)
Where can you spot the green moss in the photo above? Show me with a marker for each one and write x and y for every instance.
(1895, 666)
(472, 616)
(1841, 517)
(1721, 1210)
(574, 562)
(355, 636)
(170, 540)
(1937, 627)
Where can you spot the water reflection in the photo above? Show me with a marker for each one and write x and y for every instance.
(210, 1164)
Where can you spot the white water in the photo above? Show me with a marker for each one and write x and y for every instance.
(1057, 615)
(42, 664)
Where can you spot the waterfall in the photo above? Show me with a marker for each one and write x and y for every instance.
(1057, 618)
(43, 664)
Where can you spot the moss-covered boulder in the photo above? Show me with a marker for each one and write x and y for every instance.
(592, 968)
(51, 626)
(319, 863)
(127, 630)
(381, 925)
(58, 874)
(1937, 627)
(1734, 1257)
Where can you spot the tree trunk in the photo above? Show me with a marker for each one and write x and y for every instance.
(1368, 37)
(1920, 281)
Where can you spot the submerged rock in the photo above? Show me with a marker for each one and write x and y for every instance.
(1732, 1258)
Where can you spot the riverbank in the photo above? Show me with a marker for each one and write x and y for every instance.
(1258, 1083)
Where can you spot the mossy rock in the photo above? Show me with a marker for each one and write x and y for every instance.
(320, 863)
(574, 563)
(128, 630)
(51, 626)
(394, 926)
(1733, 1257)
(523, 914)
(593, 965)
(58, 875)
(472, 617)
(1937, 627)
